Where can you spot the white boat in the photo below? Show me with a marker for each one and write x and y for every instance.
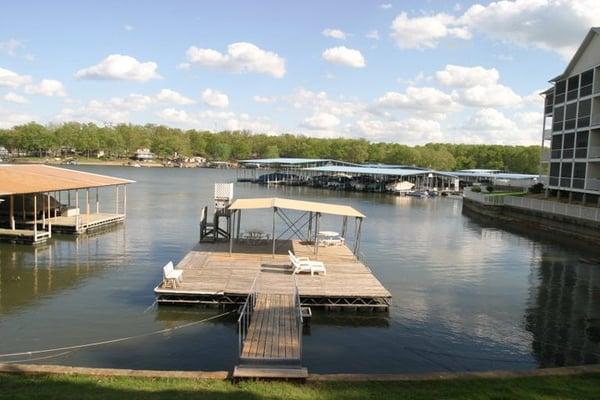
(401, 188)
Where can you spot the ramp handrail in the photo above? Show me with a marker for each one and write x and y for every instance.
(246, 314)
(298, 312)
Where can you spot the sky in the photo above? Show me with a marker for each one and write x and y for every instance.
(410, 72)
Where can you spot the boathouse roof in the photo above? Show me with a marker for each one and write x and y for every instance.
(29, 178)
(396, 171)
(297, 205)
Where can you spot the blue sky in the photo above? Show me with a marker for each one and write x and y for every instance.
(405, 71)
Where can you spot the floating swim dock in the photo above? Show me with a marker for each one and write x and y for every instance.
(211, 275)
(273, 278)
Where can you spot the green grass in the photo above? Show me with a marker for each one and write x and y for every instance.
(580, 387)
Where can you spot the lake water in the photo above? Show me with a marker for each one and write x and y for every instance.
(467, 296)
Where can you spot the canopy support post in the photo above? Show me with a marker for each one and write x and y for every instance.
(310, 219)
(231, 223)
(357, 242)
(317, 234)
(117, 199)
(124, 199)
(97, 202)
(274, 212)
(78, 211)
(35, 217)
(49, 215)
(239, 219)
(344, 226)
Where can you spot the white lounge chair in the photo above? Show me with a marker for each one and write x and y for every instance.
(172, 275)
(304, 264)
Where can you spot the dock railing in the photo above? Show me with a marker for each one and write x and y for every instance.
(299, 318)
(246, 314)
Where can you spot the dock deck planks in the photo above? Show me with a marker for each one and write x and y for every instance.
(209, 269)
(273, 331)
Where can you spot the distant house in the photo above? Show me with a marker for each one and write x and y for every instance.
(4, 153)
(143, 155)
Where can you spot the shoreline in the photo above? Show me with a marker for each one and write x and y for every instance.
(52, 369)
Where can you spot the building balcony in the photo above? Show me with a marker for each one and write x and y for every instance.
(592, 184)
(548, 134)
(594, 152)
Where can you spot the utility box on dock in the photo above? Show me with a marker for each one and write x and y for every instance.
(223, 195)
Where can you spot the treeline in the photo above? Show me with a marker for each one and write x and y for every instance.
(121, 141)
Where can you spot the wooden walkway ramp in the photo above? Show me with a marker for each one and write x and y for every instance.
(271, 346)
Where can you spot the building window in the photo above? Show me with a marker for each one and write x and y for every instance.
(568, 144)
(557, 119)
(559, 92)
(583, 115)
(556, 147)
(549, 101)
(587, 79)
(581, 144)
(570, 116)
(554, 173)
(566, 170)
(579, 175)
(573, 88)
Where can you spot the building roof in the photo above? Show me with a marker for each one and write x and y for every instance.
(293, 161)
(26, 179)
(297, 205)
(376, 170)
(586, 41)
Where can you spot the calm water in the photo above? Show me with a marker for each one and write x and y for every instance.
(467, 296)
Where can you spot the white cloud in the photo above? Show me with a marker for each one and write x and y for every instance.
(214, 98)
(12, 79)
(183, 65)
(334, 33)
(10, 119)
(459, 76)
(488, 125)
(128, 28)
(555, 25)
(422, 99)
(409, 131)
(47, 87)
(10, 46)
(321, 121)
(425, 31)
(241, 57)
(264, 99)
(488, 96)
(373, 34)
(15, 98)
(385, 6)
(344, 56)
(120, 67)
(116, 109)
(179, 116)
(171, 96)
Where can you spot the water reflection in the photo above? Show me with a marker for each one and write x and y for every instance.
(564, 311)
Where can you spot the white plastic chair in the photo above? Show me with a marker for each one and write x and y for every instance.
(172, 275)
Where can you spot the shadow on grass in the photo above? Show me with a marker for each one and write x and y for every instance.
(64, 387)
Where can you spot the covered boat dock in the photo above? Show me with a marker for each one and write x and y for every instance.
(41, 199)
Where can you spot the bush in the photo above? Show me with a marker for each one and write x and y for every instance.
(476, 189)
(537, 188)
(489, 188)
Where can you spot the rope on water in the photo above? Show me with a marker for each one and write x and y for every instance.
(82, 346)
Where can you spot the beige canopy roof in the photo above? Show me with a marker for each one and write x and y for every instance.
(298, 205)
(26, 179)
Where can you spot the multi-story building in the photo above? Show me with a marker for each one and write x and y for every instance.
(571, 130)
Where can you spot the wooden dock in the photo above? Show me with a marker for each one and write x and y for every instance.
(82, 223)
(28, 236)
(214, 276)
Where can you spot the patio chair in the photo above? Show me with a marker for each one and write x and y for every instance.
(171, 275)
(304, 264)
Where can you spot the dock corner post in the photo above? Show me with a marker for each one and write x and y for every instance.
(318, 217)
(239, 219)
(35, 217)
(116, 199)
(12, 212)
(124, 199)
(87, 203)
(97, 202)
(49, 215)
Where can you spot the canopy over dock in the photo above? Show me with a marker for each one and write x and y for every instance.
(311, 213)
(34, 204)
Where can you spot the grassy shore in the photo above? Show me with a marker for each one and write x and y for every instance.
(64, 387)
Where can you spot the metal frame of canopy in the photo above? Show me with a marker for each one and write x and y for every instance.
(309, 219)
